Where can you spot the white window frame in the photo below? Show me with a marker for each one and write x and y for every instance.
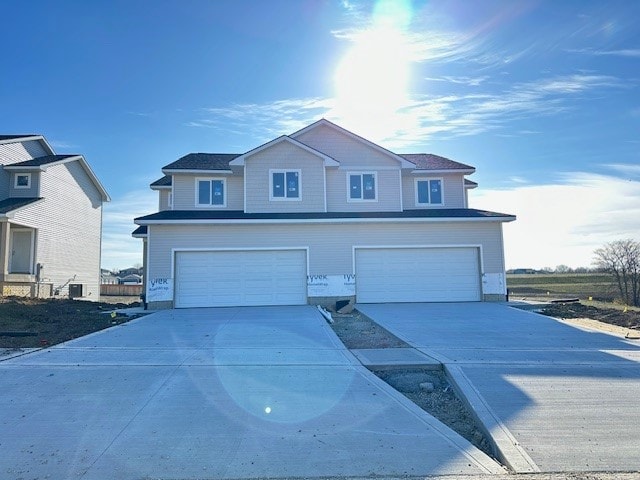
(210, 204)
(362, 199)
(15, 180)
(429, 203)
(285, 198)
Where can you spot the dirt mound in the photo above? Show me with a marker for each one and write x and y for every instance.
(628, 319)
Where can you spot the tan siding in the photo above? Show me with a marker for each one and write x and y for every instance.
(163, 200)
(68, 224)
(235, 192)
(452, 188)
(346, 150)
(32, 191)
(330, 245)
(184, 191)
(388, 192)
(284, 156)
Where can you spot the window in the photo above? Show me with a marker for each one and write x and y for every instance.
(22, 180)
(285, 185)
(210, 192)
(362, 187)
(429, 191)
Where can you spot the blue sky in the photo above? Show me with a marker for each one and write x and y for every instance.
(542, 97)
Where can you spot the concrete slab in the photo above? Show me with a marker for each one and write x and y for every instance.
(381, 358)
(555, 397)
(215, 393)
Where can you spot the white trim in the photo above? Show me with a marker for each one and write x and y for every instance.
(15, 181)
(360, 168)
(211, 204)
(275, 221)
(32, 247)
(298, 171)
(244, 191)
(208, 171)
(240, 160)
(324, 179)
(170, 200)
(430, 246)
(428, 179)
(231, 249)
(147, 277)
(362, 199)
(401, 191)
(161, 187)
(443, 171)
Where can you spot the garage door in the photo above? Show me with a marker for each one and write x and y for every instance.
(238, 278)
(417, 275)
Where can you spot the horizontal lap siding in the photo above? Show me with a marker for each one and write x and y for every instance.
(284, 156)
(69, 228)
(453, 190)
(32, 191)
(184, 191)
(330, 245)
(13, 153)
(388, 192)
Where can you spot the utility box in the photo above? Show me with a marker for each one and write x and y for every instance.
(75, 290)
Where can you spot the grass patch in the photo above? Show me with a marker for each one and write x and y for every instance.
(597, 286)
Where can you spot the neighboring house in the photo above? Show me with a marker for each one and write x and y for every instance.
(318, 215)
(50, 221)
(131, 279)
(130, 270)
(107, 277)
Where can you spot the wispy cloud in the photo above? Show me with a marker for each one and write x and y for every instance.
(565, 221)
(630, 171)
(63, 145)
(461, 80)
(625, 52)
(119, 248)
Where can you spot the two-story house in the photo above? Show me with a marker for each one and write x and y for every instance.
(50, 221)
(318, 215)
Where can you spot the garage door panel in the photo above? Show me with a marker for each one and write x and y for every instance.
(417, 275)
(234, 278)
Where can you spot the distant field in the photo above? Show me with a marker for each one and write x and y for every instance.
(581, 285)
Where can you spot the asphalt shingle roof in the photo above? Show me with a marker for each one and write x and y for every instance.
(429, 161)
(162, 182)
(177, 215)
(9, 204)
(203, 161)
(39, 161)
(16, 137)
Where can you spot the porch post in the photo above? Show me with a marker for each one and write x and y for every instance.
(4, 248)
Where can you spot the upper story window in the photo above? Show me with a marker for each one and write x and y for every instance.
(362, 187)
(285, 185)
(429, 191)
(210, 192)
(22, 180)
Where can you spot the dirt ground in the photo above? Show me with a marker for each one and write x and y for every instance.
(628, 319)
(33, 323)
(357, 331)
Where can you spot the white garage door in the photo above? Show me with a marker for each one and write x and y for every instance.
(238, 278)
(417, 275)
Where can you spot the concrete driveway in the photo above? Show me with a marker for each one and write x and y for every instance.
(557, 398)
(215, 393)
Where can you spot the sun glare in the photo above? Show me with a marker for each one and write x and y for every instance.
(372, 79)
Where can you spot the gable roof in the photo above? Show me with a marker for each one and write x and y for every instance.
(42, 163)
(429, 161)
(27, 137)
(164, 182)
(195, 162)
(469, 184)
(324, 122)
(9, 205)
(328, 161)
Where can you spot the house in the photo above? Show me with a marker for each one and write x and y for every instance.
(50, 221)
(318, 215)
(131, 279)
(107, 277)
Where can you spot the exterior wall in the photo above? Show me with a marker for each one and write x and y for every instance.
(184, 191)
(68, 224)
(330, 245)
(284, 156)
(452, 188)
(388, 192)
(20, 151)
(32, 191)
(163, 199)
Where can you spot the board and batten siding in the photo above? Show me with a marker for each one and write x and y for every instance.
(348, 151)
(284, 155)
(68, 223)
(388, 184)
(330, 245)
(184, 191)
(452, 189)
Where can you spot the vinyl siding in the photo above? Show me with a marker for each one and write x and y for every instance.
(452, 189)
(20, 151)
(68, 224)
(184, 191)
(163, 200)
(32, 191)
(388, 192)
(284, 156)
(330, 245)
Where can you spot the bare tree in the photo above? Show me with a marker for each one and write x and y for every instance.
(622, 259)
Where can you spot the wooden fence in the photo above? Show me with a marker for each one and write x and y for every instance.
(121, 290)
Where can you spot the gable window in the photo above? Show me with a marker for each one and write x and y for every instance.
(210, 192)
(285, 185)
(362, 186)
(429, 191)
(22, 180)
